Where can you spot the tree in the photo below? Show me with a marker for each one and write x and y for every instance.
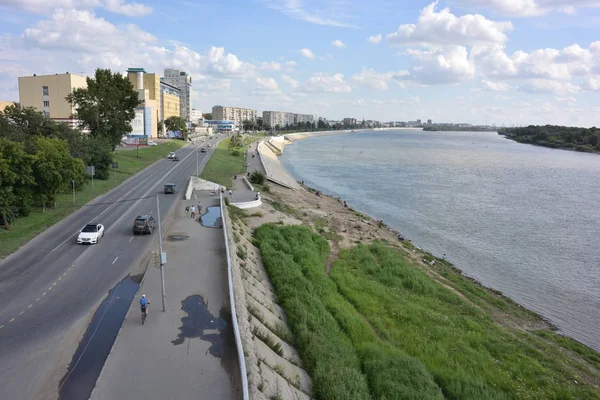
(106, 106)
(54, 168)
(249, 125)
(16, 180)
(207, 116)
(176, 123)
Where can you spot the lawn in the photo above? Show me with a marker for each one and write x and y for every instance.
(225, 163)
(26, 228)
(378, 327)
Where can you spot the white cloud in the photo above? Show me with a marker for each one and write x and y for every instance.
(375, 39)
(115, 6)
(548, 86)
(266, 84)
(84, 32)
(532, 8)
(338, 43)
(222, 63)
(449, 64)
(444, 28)
(494, 86)
(592, 83)
(321, 82)
(326, 13)
(307, 53)
(270, 66)
(569, 100)
(372, 79)
(290, 81)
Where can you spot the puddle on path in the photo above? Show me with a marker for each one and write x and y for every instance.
(88, 360)
(212, 217)
(174, 238)
(199, 319)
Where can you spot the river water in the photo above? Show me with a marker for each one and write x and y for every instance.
(518, 218)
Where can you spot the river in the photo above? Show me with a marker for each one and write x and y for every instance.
(518, 218)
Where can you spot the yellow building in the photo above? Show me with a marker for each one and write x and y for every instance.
(47, 94)
(4, 104)
(166, 95)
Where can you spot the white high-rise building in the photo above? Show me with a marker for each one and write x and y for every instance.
(183, 81)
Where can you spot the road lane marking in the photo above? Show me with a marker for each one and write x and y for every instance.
(130, 239)
(60, 278)
(54, 284)
(43, 294)
(64, 274)
(29, 306)
(150, 212)
(1, 326)
(81, 256)
(11, 320)
(22, 312)
(50, 288)
(38, 299)
(115, 260)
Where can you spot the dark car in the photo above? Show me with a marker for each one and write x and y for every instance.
(175, 158)
(169, 188)
(202, 149)
(144, 224)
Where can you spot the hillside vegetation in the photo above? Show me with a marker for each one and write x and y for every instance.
(379, 327)
(558, 137)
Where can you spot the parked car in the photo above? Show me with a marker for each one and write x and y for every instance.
(171, 155)
(202, 149)
(169, 188)
(152, 143)
(91, 234)
(144, 224)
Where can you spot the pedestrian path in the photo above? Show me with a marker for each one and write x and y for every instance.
(188, 351)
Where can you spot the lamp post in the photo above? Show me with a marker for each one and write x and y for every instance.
(197, 166)
(73, 181)
(162, 256)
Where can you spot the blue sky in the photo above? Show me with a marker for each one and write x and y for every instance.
(480, 61)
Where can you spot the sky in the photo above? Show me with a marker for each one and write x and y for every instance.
(503, 62)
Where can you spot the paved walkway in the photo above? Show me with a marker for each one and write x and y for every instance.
(275, 171)
(188, 351)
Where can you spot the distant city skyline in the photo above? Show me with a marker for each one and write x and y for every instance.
(504, 62)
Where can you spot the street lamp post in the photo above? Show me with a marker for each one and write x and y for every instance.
(162, 256)
(197, 166)
(73, 181)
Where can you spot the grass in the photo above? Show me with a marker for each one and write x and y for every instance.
(378, 327)
(26, 228)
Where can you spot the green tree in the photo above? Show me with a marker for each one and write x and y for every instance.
(207, 116)
(176, 123)
(16, 180)
(248, 125)
(106, 106)
(54, 168)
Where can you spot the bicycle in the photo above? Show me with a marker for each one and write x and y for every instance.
(144, 313)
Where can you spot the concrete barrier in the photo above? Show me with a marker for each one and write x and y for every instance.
(248, 204)
(247, 182)
(275, 171)
(234, 318)
(196, 183)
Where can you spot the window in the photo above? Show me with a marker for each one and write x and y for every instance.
(46, 103)
(45, 90)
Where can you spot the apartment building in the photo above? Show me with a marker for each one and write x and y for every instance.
(170, 101)
(167, 96)
(236, 114)
(303, 118)
(275, 118)
(47, 93)
(196, 116)
(4, 104)
(183, 81)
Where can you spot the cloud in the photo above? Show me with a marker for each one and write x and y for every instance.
(307, 53)
(569, 100)
(444, 28)
(592, 83)
(375, 39)
(82, 31)
(290, 81)
(338, 43)
(449, 64)
(270, 66)
(266, 84)
(321, 82)
(221, 63)
(374, 80)
(536, 86)
(533, 8)
(115, 6)
(326, 13)
(494, 86)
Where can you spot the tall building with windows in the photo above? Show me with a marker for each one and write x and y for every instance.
(303, 118)
(47, 93)
(183, 81)
(167, 96)
(236, 114)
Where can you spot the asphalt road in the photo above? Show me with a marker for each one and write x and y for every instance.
(52, 282)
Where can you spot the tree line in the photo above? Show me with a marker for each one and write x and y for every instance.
(260, 125)
(456, 128)
(40, 158)
(555, 136)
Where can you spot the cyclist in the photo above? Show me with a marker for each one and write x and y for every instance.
(144, 304)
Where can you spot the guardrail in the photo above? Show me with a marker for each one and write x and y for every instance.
(236, 328)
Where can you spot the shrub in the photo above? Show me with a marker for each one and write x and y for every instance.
(257, 177)
(236, 153)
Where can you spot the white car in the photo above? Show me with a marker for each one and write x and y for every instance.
(152, 143)
(91, 234)
(171, 155)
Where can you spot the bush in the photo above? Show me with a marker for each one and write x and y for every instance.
(257, 177)
(236, 153)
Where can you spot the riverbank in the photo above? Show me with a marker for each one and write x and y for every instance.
(462, 333)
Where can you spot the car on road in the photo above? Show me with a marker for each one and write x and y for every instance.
(91, 234)
(169, 188)
(202, 149)
(176, 158)
(144, 224)
(171, 155)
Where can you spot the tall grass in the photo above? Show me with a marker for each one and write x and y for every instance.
(380, 328)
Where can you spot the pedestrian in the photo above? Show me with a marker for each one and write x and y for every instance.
(187, 210)
(230, 193)
(193, 211)
(200, 208)
(345, 205)
(235, 177)
(248, 173)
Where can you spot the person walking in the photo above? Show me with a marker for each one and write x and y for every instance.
(200, 208)
(230, 193)
(193, 211)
